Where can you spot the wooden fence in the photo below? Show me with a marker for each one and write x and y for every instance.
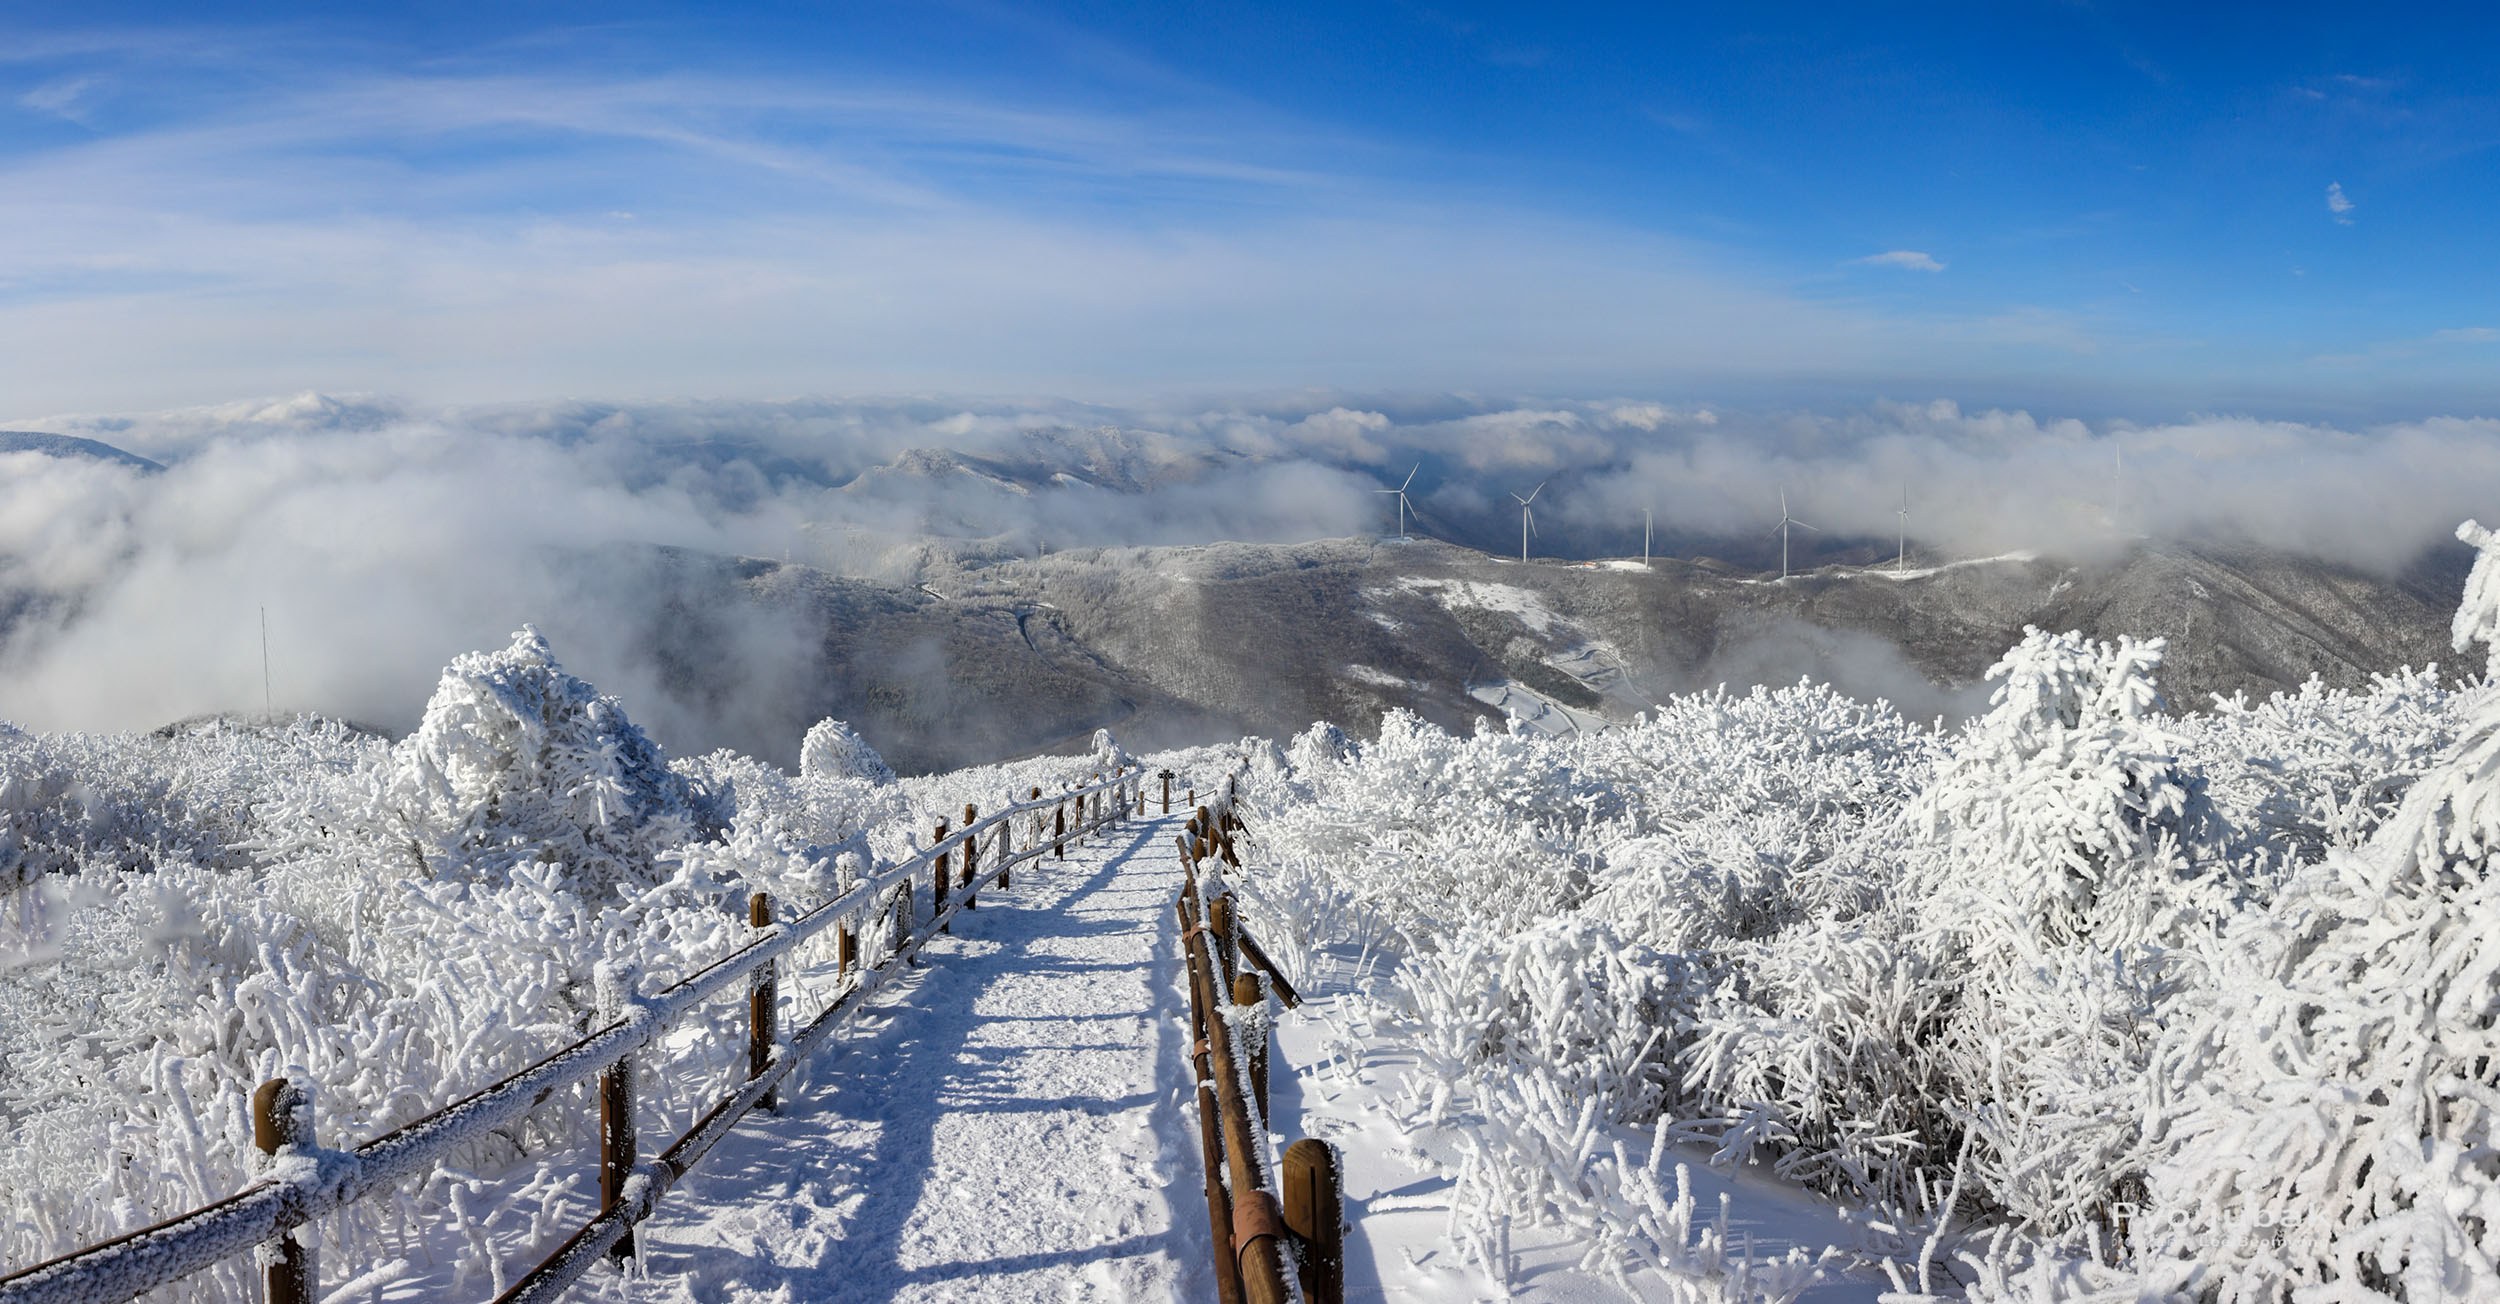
(1278, 1229)
(304, 1182)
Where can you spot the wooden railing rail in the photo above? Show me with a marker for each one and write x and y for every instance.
(1268, 1250)
(302, 1182)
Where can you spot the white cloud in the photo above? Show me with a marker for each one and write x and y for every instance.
(1906, 259)
(385, 537)
(2337, 204)
(61, 98)
(2467, 335)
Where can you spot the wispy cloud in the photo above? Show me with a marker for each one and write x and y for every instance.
(1906, 259)
(2337, 204)
(62, 99)
(451, 234)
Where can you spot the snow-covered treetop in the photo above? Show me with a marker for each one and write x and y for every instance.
(2062, 680)
(2478, 614)
(517, 760)
(832, 750)
(1108, 753)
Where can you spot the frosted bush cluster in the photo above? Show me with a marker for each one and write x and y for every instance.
(2080, 1000)
(393, 925)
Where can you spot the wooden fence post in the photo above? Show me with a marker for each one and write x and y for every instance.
(616, 1117)
(1314, 1205)
(937, 877)
(1167, 792)
(972, 852)
(1246, 992)
(763, 1003)
(846, 947)
(282, 1116)
(1059, 831)
(1004, 868)
(1220, 922)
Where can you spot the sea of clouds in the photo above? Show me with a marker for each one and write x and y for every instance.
(381, 538)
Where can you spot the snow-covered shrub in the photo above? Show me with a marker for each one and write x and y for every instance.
(2335, 1137)
(2070, 855)
(389, 928)
(516, 760)
(1108, 755)
(831, 750)
(2057, 799)
(2300, 773)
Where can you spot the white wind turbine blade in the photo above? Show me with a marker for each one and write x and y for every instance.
(1410, 477)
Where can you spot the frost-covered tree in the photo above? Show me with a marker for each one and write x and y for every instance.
(2058, 803)
(832, 750)
(1107, 753)
(518, 761)
(2334, 1135)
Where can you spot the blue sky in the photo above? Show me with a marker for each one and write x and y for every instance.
(2090, 209)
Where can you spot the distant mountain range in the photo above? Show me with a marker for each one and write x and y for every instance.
(1174, 645)
(31, 441)
(990, 654)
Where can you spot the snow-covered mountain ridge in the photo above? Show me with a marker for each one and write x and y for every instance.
(1174, 646)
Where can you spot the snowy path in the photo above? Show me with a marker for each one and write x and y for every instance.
(991, 1129)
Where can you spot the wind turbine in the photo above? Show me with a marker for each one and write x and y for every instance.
(1527, 518)
(2117, 483)
(1787, 520)
(1400, 491)
(1901, 565)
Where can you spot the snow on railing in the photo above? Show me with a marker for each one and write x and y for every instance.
(303, 1182)
(1256, 1235)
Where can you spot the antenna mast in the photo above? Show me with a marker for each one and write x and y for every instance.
(268, 709)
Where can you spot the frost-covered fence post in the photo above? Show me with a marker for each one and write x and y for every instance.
(1167, 791)
(1246, 992)
(1037, 822)
(1220, 922)
(845, 949)
(937, 879)
(1314, 1202)
(616, 1108)
(763, 1003)
(282, 1117)
(1059, 831)
(1005, 868)
(1210, 1142)
(972, 852)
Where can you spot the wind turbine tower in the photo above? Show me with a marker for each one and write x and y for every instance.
(1901, 564)
(1646, 523)
(1786, 520)
(1527, 518)
(1400, 491)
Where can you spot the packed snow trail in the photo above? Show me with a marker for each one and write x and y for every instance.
(992, 1128)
